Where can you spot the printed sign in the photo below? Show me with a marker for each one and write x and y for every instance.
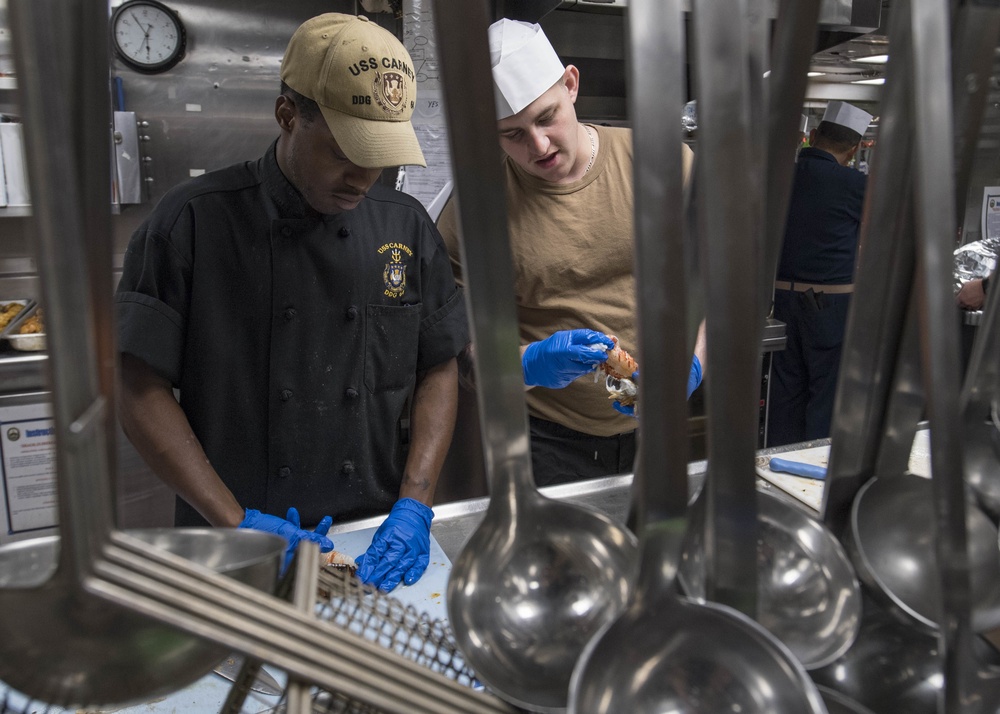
(28, 496)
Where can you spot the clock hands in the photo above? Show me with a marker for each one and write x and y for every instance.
(145, 32)
(139, 23)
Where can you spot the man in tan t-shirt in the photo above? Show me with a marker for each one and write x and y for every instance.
(569, 207)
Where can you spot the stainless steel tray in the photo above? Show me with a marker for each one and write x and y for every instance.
(32, 342)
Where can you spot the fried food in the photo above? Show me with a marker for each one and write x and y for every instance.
(33, 325)
(8, 311)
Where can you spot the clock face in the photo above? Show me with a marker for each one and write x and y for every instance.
(148, 36)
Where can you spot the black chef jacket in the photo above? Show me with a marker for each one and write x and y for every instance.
(824, 213)
(294, 338)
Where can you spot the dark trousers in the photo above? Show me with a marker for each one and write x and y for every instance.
(804, 374)
(563, 455)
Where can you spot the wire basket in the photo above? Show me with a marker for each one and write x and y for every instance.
(345, 602)
(366, 611)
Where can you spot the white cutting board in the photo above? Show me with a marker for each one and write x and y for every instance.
(428, 593)
(810, 491)
(807, 490)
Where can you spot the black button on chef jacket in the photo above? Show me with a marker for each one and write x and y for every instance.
(294, 338)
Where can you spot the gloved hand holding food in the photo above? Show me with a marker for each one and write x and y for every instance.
(622, 372)
(289, 528)
(401, 547)
(626, 407)
(561, 358)
(694, 381)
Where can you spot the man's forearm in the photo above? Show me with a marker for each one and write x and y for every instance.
(435, 403)
(159, 430)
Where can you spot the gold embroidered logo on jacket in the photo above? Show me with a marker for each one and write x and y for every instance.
(394, 275)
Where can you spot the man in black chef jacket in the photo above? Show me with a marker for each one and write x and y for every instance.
(815, 276)
(305, 314)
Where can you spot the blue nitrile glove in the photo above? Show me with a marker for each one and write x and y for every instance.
(401, 547)
(694, 380)
(289, 528)
(563, 357)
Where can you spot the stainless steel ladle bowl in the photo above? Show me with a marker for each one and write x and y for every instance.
(71, 648)
(807, 593)
(670, 654)
(891, 667)
(837, 703)
(891, 542)
(524, 598)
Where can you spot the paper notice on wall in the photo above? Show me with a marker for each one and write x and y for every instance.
(991, 212)
(15, 167)
(426, 184)
(28, 476)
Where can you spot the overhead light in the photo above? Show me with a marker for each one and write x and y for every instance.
(874, 59)
(877, 80)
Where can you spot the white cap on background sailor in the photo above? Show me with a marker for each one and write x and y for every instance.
(804, 124)
(524, 65)
(848, 115)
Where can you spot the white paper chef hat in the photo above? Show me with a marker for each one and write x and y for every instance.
(524, 65)
(848, 115)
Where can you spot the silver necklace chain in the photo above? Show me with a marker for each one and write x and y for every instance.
(593, 147)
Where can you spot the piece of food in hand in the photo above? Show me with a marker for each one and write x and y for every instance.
(620, 364)
(624, 391)
(340, 561)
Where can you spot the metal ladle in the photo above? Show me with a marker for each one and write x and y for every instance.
(539, 577)
(109, 580)
(59, 642)
(968, 683)
(808, 594)
(666, 652)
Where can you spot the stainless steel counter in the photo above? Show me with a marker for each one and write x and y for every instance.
(455, 522)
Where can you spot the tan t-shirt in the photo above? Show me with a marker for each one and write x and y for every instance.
(572, 251)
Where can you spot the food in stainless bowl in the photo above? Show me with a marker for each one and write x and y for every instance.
(32, 325)
(8, 311)
(29, 335)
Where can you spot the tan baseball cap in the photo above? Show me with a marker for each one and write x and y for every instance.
(362, 78)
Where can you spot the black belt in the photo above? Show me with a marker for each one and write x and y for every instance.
(804, 287)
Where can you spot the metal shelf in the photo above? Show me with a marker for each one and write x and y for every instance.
(15, 212)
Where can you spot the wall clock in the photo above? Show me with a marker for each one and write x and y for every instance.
(147, 35)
